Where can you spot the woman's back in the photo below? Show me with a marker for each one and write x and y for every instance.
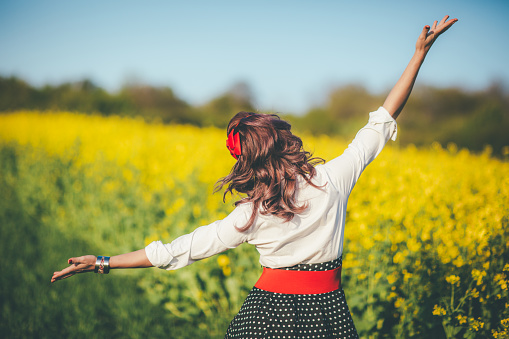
(316, 234)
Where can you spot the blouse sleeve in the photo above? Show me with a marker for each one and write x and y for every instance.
(345, 170)
(202, 243)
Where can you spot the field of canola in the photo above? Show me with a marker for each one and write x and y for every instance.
(426, 235)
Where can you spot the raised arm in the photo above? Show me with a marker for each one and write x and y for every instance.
(86, 263)
(399, 94)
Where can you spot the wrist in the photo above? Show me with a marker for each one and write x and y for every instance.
(420, 55)
(102, 265)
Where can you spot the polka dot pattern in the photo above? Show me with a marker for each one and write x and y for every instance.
(276, 315)
(325, 266)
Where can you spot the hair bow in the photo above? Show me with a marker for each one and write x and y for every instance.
(233, 144)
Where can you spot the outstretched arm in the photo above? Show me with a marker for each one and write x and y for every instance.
(86, 263)
(203, 242)
(399, 94)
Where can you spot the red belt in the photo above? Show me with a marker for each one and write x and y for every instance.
(299, 282)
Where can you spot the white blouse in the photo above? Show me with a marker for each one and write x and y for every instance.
(314, 236)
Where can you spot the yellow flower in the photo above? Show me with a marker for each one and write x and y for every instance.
(478, 275)
(462, 319)
(504, 322)
(439, 310)
(398, 258)
(391, 296)
(453, 279)
(476, 324)
(501, 334)
(227, 271)
(391, 278)
(223, 260)
(458, 262)
(399, 302)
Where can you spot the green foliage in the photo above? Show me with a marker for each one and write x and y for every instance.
(468, 119)
(488, 125)
(401, 248)
(348, 102)
(151, 103)
(49, 212)
(156, 104)
(220, 110)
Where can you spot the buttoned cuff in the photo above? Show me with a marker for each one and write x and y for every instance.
(383, 117)
(158, 254)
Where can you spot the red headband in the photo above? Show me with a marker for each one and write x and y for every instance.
(233, 144)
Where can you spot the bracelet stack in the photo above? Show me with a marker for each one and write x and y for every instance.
(102, 265)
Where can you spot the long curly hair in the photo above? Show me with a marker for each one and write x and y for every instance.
(267, 170)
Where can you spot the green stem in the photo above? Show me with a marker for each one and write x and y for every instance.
(452, 298)
(447, 330)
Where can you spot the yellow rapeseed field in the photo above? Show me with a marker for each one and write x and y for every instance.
(426, 234)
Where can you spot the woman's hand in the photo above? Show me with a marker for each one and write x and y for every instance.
(86, 263)
(399, 94)
(82, 264)
(430, 34)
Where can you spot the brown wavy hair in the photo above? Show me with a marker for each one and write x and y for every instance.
(272, 158)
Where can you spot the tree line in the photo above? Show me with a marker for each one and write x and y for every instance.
(471, 119)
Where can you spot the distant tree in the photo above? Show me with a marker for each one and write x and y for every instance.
(14, 94)
(317, 121)
(351, 101)
(488, 124)
(469, 119)
(219, 111)
(80, 96)
(158, 103)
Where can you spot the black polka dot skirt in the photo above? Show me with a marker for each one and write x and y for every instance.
(277, 315)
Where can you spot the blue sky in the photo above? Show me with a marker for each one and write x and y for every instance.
(291, 53)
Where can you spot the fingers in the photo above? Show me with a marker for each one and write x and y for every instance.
(65, 273)
(443, 20)
(450, 23)
(61, 277)
(76, 265)
(424, 32)
(440, 27)
(75, 260)
(430, 34)
(434, 26)
(445, 25)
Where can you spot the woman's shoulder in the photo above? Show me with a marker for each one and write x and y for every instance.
(320, 177)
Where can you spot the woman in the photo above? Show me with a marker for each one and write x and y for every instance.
(293, 212)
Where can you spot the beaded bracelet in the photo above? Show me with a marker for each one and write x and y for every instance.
(102, 265)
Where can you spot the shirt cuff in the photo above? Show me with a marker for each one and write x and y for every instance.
(158, 254)
(382, 116)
